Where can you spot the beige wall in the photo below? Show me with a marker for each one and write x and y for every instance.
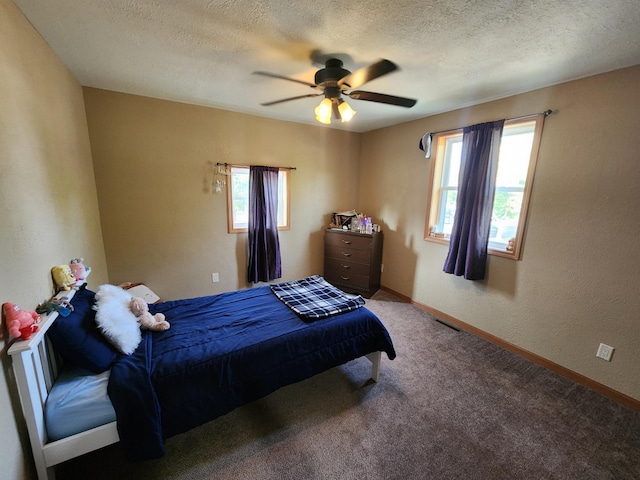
(577, 284)
(161, 227)
(47, 195)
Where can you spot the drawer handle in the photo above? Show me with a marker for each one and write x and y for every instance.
(346, 267)
(347, 242)
(345, 254)
(345, 278)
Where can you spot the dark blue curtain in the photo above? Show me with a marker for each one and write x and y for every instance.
(264, 245)
(476, 186)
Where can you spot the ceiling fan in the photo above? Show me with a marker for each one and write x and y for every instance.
(334, 81)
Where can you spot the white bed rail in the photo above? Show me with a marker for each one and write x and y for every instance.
(36, 369)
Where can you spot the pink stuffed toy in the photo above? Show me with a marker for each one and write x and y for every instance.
(79, 269)
(20, 323)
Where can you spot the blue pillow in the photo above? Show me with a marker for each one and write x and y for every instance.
(77, 338)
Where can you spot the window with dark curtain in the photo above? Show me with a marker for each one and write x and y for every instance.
(470, 234)
(264, 245)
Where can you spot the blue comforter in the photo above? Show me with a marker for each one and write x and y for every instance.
(222, 352)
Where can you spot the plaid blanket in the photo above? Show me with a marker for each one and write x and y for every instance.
(314, 298)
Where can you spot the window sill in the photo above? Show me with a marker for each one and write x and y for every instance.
(491, 251)
(440, 240)
(245, 230)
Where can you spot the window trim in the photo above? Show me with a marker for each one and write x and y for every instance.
(286, 207)
(435, 179)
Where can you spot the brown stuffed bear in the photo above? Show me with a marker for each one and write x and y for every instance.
(147, 321)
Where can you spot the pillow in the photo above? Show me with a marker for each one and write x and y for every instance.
(115, 319)
(77, 339)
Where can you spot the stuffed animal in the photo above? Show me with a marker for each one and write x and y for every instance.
(20, 323)
(140, 309)
(62, 306)
(79, 269)
(63, 277)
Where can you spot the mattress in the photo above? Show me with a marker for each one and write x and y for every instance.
(78, 401)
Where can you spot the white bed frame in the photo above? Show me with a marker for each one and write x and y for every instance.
(36, 368)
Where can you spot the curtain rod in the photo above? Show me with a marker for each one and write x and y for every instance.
(236, 165)
(546, 113)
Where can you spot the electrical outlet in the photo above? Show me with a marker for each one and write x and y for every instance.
(605, 352)
(382, 267)
(215, 277)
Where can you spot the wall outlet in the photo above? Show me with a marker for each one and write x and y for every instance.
(215, 277)
(605, 352)
(382, 267)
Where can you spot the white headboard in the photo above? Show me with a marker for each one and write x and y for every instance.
(36, 368)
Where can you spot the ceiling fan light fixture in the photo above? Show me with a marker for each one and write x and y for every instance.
(346, 112)
(323, 111)
(334, 81)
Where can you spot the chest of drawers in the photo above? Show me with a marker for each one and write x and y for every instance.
(352, 261)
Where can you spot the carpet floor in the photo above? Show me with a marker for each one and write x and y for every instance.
(450, 406)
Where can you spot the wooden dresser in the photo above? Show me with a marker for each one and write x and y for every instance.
(352, 261)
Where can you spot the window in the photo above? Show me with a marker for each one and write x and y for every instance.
(516, 164)
(238, 199)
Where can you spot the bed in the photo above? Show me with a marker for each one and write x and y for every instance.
(221, 352)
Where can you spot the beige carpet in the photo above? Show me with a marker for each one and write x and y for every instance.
(450, 406)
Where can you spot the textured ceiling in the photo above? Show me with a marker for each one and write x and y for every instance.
(451, 53)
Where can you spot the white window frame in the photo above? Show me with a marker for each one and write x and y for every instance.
(436, 191)
(239, 225)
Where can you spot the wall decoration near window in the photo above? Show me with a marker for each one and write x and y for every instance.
(215, 177)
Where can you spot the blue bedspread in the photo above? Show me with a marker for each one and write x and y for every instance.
(222, 352)
(313, 298)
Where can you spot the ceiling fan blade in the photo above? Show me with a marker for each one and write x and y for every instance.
(368, 73)
(382, 98)
(289, 99)
(282, 77)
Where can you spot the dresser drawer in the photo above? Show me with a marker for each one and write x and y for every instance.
(345, 253)
(346, 267)
(340, 278)
(352, 261)
(354, 241)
